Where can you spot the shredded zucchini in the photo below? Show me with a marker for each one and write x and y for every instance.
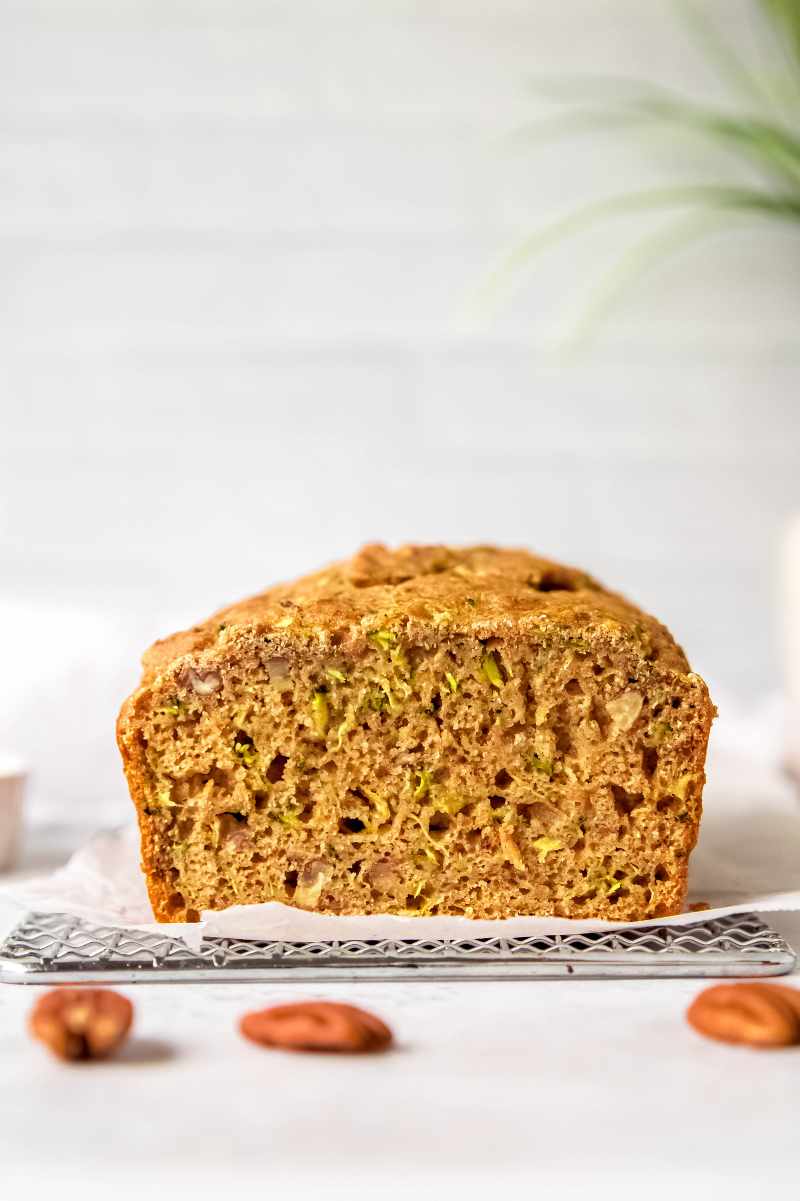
(545, 845)
(491, 669)
(424, 780)
(320, 712)
(246, 752)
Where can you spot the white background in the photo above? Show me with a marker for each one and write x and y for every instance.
(237, 239)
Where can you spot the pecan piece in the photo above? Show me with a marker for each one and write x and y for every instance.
(316, 1026)
(81, 1023)
(760, 1015)
(277, 667)
(201, 682)
(313, 878)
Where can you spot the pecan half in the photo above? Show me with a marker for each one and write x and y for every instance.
(277, 667)
(81, 1023)
(760, 1015)
(317, 1026)
(201, 682)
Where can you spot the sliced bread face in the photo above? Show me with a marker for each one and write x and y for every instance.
(423, 731)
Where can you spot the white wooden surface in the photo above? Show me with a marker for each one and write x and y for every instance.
(573, 1088)
(558, 1083)
(236, 240)
(567, 1089)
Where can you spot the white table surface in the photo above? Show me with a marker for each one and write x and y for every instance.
(584, 1087)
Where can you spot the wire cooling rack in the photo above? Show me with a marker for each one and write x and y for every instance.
(60, 949)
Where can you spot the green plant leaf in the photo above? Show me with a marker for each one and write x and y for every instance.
(576, 121)
(763, 133)
(708, 196)
(767, 143)
(650, 251)
(718, 51)
(785, 17)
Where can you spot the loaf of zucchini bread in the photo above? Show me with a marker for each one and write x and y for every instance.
(420, 731)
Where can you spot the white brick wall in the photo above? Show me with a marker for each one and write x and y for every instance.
(237, 239)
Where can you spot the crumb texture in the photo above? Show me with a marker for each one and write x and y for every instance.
(423, 730)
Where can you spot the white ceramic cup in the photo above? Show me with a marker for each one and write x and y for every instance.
(13, 775)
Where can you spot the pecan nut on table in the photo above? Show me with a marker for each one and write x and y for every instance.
(317, 1026)
(758, 1015)
(81, 1023)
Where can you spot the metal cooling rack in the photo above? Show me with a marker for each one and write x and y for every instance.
(58, 948)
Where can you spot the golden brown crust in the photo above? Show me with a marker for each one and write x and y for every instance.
(420, 594)
(483, 589)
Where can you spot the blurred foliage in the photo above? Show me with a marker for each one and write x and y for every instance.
(759, 133)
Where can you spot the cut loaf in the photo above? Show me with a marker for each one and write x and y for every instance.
(424, 730)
